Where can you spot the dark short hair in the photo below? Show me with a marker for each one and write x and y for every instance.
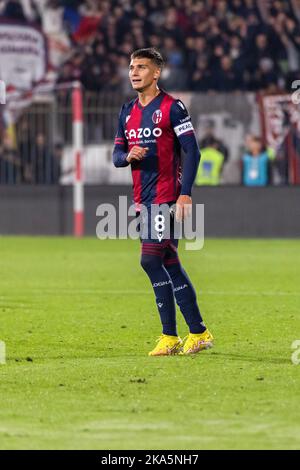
(149, 53)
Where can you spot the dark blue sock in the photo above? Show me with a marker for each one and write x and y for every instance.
(185, 294)
(152, 263)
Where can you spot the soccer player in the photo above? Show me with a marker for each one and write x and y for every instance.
(151, 132)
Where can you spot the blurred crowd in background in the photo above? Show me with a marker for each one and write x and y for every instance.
(210, 46)
(221, 45)
(36, 162)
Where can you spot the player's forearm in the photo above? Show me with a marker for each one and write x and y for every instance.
(119, 158)
(191, 163)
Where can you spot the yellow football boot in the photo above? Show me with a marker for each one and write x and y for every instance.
(167, 346)
(197, 342)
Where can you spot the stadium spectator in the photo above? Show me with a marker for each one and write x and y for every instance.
(226, 78)
(210, 167)
(40, 160)
(55, 168)
(10, 163)
(14, 10)
(213, 156)
(210, 140)
(255, 169)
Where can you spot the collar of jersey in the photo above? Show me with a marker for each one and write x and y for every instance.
(143, 107)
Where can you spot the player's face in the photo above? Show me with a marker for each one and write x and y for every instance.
(143, 73)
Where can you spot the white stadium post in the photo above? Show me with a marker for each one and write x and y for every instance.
(78, 190)
(2, 92)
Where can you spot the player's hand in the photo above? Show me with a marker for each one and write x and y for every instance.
(183, 207)
(136, 154)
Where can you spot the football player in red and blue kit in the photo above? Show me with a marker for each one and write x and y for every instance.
(152, 130)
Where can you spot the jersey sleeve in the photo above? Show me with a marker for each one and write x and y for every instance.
(183, 128)
(120, 145)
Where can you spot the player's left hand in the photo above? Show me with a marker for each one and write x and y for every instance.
(183, 207)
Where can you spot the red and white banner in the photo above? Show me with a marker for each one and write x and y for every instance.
(281, 129)
(23, 55)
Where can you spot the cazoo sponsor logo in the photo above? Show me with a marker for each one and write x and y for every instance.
(143, 132)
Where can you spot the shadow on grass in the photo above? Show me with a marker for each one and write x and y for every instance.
(208, 355)
(246, 358)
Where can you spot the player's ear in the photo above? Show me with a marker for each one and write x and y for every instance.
(157, 74)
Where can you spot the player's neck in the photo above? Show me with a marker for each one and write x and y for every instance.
(148, 95)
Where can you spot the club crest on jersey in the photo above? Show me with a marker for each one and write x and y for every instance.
(157, 116)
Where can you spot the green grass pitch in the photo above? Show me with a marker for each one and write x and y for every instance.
(78, 318)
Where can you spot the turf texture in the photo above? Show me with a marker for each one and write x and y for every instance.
(78, 318)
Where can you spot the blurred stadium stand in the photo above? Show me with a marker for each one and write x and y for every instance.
(210, 45)
(224, 52)
(232, 62)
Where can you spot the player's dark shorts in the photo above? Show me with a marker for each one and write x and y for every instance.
(157, 229)
(158, 233)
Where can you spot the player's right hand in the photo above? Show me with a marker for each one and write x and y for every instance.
(136, 154)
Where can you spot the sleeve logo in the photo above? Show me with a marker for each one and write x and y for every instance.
(183, 128)
(180, 103)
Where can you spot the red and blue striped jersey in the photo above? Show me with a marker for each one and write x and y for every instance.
(164, 126)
